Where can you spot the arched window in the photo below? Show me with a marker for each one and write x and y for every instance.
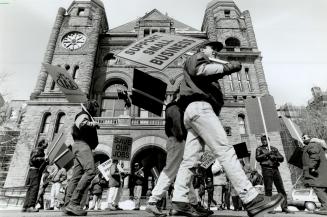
(109, 59)
(232, 42)
(111, 105)
(46, 123)
(74, 75)
(59, 122)
(241, 123)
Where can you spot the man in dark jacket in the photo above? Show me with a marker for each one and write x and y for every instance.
(202, 99)
(97, 186)
(114, 190)
(270, 161)
(315, 169)
(37, 164)
(137, 180)
(85, 137)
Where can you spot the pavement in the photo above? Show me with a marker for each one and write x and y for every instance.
(141, 213)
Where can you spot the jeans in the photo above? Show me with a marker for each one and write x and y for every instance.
(204, 127)
(114, 194)
(54, 192)
(137, 195)
(34, 178)
(321, 193)
(83, 173)
(270, 176)
(175, 152)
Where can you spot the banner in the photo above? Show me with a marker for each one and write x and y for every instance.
(265, 108)
(104, 169)
(207, 159)
(122, 148)
(66, 83)
(158, 50)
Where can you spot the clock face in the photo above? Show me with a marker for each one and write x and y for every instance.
(73, 40)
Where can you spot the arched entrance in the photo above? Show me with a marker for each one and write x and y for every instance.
(149, 157)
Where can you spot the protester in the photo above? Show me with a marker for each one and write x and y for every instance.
(270, 161)
(138, 180)
(97, 186)
(37, 164)
(44, 184)
(84, 132)
(57, 178)
(315, 169)
(202, 99)
(114, 191)
(176, 134)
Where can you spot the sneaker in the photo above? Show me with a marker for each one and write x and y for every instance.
(185, 209)
(261, 204)
(111, 208)
(136, 208)
(201, 209)
(153, 209)
(287, 211)
(31, 209)
(321, 211)
(75, 210)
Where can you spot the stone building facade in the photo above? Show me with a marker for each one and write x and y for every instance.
(83, 44)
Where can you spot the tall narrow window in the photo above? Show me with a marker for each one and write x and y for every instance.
(46, 123)
(81, 12)
(59, 122)
(53, 85)
(154, 30)
(241, 123)
(74, 75)
(239, 81)
(227, 13)
(230, 81)
(146, 32)
(111, 105)
(248, 81)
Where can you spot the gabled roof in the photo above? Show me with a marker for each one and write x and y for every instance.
(153, 16)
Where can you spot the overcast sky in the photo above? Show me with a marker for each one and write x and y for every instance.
(291, 34)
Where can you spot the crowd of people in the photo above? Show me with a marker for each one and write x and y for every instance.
(192, 125)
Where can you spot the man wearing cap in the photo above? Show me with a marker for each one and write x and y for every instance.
(84, 132)
(202, 99)
(314, 169)
(138, 179)
(270, 161)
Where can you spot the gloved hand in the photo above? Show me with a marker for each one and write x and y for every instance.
(232, 66)
(313, 172)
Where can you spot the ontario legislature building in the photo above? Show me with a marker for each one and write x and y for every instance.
(82, 43)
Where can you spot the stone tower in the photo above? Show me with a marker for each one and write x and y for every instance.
(72, 45)
(225, 22)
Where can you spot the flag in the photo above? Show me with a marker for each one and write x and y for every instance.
(293, 128)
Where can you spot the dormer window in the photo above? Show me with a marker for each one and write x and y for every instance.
(154, 30)
(227, 13)
(81, 12)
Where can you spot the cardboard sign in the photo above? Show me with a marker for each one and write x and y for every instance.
(122, 148)
(150, 96)
(158, 50)
(207, 159)
(266, 108)
(66, 83)
(104, 169)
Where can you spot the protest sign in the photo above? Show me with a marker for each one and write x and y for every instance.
(241, 150)
(207, 159)
(66, 83)
(158, 50)
(122, 148)
(104, 169)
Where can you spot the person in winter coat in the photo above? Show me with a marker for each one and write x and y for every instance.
(114, 191)
(97, 186)
(58, 176)
(37, 164)
(315, 169)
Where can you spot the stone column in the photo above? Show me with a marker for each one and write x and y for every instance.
(249, 29)
(261, 76)
(42, 78)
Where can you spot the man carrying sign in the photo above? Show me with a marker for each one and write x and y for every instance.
(202, 99)
(85, 137)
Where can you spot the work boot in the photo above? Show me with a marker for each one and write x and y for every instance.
(261, 204)
(75, 210)
(153, 209)
(185, 209)
(117, 207)
(32, 209)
